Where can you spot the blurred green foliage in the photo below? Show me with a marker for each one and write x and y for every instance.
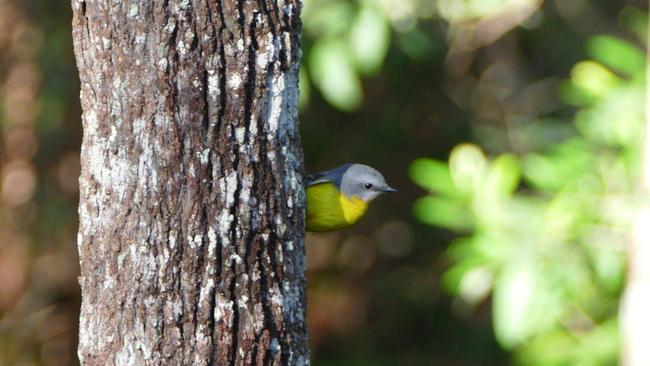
(545, 231)
(539, 215)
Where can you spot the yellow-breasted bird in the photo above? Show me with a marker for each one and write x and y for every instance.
(339, 197)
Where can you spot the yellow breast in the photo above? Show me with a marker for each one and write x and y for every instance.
(328, 209)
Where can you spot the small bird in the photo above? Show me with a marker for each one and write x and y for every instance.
(339, 197)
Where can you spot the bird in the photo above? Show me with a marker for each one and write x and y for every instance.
(339, 197)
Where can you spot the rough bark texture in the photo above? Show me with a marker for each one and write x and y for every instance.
(192, 206)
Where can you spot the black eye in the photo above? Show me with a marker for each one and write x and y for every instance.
(368, 186)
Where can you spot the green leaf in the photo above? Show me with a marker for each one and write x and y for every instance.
(369, 39)
(328, 18)
(417, 44)
(598, 346)
(502, 177)
(442, 212)
(452, 278)
(334, 75)
(467, 166)
(594, 78)
(475, 285)
(514, 298)
(433, 175)
(635, 20)
(575, 95)
(617, 120)
(566, 163)
(617, 54)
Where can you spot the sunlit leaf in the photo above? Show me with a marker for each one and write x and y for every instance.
(513, 298)
(467, 166)
(432, 175)
(574, 95)
(334, 75)
(566, 163)
(617, 54)
(369, 39)
(452, 278)
(597, 346)
(496, 246)
(617, 120)
(327, 18)
(476, 284)
(442, 212)
(609, 264)
(594, 78)
(502, 176)
(461, 248)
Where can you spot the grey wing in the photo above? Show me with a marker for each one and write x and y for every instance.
(333, 176)
(317, 178)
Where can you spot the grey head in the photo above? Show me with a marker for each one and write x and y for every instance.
(355, 180)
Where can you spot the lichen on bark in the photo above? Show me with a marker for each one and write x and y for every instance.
(191, 200)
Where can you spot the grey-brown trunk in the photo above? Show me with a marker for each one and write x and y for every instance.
(192, 206)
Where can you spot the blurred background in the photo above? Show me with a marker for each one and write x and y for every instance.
(512, 128)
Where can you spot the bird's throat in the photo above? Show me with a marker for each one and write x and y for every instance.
(353, 208)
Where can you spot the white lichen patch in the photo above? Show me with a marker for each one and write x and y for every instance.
(213, 84)
(206, 292)
(172, 238)
(235, 257)
(196, 241)
(222, 308)
(146, 351)
(192, 170)
(245, 193)
(181, 46)
(184, 4)
(212, 243)
(204, 156)
(140, 38)
(267, 53)
(162, 64)
(109, 281)
(134, 10)
(242, 302)
(231, 187)
(225, 221)
(234, 81)
(228, 50)
(240, 134)
(120, 260)
(106, 43)
(276, 296)
(189, 35)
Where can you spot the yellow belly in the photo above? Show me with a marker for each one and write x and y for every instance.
(328, 209)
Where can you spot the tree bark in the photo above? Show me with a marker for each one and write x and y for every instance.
(192, 203)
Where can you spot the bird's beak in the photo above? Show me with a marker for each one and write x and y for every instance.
(388, 189)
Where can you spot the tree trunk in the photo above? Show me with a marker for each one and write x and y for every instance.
(192, 203)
